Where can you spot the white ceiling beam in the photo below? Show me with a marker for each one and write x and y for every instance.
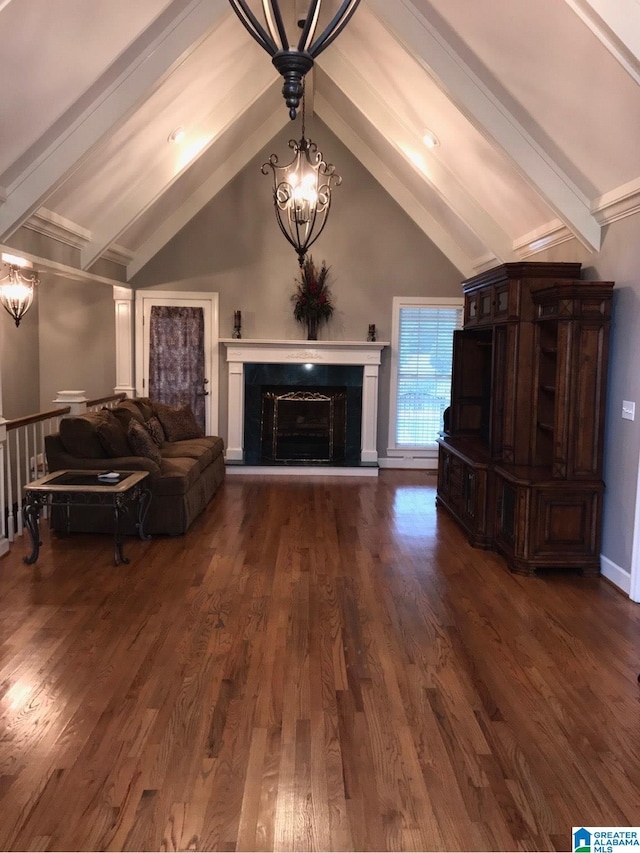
(60, 269)
(616, 23)
(475, 99)
(380, 170)
(378, 113)
(228, 168)
(249, 88)
(159, 48)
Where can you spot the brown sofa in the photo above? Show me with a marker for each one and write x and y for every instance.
(185, 467)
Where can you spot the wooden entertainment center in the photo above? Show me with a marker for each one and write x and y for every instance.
(520, 460)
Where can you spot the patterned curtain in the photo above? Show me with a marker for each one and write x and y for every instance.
(176, 357)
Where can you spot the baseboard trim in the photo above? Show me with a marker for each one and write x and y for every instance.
(300, 471)
(417, 463)
(5, 546)
(614, 573)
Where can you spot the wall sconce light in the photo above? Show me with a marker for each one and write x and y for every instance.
(16, 288)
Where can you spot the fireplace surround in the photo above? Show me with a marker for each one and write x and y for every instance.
(347, 367)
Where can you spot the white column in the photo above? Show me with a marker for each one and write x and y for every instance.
(235, 434)
(125, 380)
(369, 413)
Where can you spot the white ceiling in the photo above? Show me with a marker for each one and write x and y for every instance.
(536, 107)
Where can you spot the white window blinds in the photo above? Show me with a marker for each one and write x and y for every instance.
(425, 349)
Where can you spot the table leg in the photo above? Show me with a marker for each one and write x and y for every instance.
(118, 538)
(144, 500)
(31, 516)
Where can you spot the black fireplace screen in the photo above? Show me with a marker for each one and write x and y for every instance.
(304, 425)
(282, 379)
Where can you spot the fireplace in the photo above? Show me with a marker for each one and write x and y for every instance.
(322, 410)
(332, 369)
(304, 425)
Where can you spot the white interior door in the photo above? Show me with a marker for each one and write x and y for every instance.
(208, 302)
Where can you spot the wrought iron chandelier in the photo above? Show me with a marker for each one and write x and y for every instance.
(293, 62)
(17, 291)
(302, 192)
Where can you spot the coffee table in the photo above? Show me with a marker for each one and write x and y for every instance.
(83, 488)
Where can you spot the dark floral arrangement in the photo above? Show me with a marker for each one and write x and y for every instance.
(312, 297)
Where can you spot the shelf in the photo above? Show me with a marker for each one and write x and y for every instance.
(549, 350)
(545, 427)
(549, 389)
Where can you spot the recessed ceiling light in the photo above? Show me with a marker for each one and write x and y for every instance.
(430, 139)
(177, 135)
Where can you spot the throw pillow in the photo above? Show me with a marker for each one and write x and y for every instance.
(145, 407)
(178, 424)
(112, 436)
(154, 428)
(141, 442)
(126, 411)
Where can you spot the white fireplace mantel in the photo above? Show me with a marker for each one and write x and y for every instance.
(365, 353)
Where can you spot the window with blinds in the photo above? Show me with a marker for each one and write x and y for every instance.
(423, 369)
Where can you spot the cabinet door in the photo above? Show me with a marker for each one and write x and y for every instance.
(485, 305)
(501, 301)
(564, 525)
(450, 479)
(471, 309)
(506, 511)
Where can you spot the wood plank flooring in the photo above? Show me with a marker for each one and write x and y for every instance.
(317, 665)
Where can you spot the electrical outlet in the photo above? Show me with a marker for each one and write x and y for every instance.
(628, 410)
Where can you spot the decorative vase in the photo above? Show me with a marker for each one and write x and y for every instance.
(312, 328)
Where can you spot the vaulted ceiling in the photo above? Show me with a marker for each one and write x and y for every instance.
(535, 106)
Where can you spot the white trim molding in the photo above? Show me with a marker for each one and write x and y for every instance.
(365, 353)
(618, 203)
(616, 574)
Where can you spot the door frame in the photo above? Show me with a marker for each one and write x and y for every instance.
(144, 300)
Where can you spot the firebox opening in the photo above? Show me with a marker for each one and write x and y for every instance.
(303, 424)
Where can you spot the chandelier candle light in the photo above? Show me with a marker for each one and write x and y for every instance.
(292, 62)
(302, 192)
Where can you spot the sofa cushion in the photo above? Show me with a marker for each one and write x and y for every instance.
(154, 428)
(190, 449)
(141, 442)
(79, 437)
(177, 476)
(211, 442)
(111, 435)
(178, 423)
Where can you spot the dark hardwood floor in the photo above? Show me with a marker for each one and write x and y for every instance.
(317, 665)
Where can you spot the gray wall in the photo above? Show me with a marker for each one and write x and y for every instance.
(234, 247)
(77, 338)
(19, 363)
